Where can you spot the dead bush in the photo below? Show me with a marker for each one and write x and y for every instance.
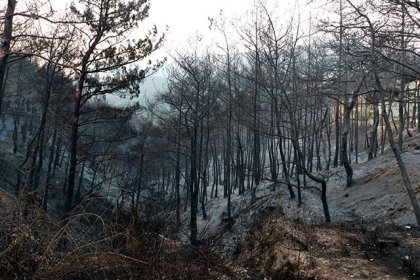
(99, 245)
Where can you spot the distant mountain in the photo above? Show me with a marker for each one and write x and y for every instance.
(148, 89)
(153, 84)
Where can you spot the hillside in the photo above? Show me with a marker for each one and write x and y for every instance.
(265, 146)
(372, 229)
(373, 226)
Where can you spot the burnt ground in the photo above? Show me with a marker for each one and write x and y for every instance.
(281, 249)
(372, 235)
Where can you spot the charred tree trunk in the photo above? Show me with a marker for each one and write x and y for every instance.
(73, 145)
(48, 176)
(344, 138)
(394, 146)
(373, 147)
(337, 134)
(178, 170)
(194, 187)
(5, 46)
(348, 108)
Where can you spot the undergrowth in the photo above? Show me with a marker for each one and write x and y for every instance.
(97, 245)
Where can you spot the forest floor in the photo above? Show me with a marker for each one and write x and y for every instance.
(280, 249)
(372, 234)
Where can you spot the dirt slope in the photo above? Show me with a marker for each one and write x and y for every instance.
(378, 194)
(282, 249)
(372, 235)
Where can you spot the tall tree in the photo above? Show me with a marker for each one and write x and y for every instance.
(373, 33)
(274, 44)
(107, 57)
(193, 96)
(5, 45)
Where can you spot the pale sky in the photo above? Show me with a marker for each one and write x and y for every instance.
(187, 17)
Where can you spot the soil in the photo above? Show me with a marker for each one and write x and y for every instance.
(373, 234)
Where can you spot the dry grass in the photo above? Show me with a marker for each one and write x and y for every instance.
(99, 246)
(282, 249)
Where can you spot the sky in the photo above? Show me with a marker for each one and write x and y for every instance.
(186, 18)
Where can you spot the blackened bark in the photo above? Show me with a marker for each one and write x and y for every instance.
(344, 140)
(407, 183)
(73, 145)
(5, 46)
(178, 170)
(337, 134)
(348, 108)
(48, 176)
(373, 147)
(193, 188)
